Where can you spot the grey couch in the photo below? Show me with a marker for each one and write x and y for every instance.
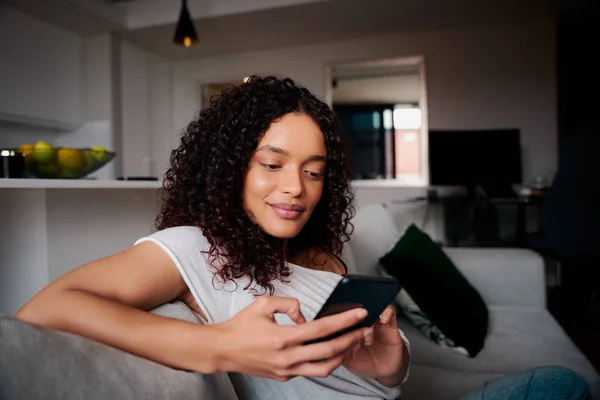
(41, 364)
(522, 333)
(37, 363)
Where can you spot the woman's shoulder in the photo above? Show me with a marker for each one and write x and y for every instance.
(179, 239)
(179, 232)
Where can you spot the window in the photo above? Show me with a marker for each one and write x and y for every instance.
(382, 104)
(408, 145)
(387, 140)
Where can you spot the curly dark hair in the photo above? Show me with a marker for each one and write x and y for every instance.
(204, 184)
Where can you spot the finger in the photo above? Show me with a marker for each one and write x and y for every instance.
(325, 350)
(387, 315)
(352, 352)
(285, 305)
(318, 369)
(325, 326)
(393, 321)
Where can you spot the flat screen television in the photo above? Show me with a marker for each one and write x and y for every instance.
(490, 159)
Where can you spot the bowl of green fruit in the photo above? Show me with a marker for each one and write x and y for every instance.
(43, 161)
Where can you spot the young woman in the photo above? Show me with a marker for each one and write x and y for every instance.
(256, 206)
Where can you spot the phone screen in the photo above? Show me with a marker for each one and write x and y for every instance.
(372, 293)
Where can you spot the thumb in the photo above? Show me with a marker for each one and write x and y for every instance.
(269, 305)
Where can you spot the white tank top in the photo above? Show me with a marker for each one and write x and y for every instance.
(219, 302)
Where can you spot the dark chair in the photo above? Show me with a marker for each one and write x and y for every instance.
(571, 212)
(570, 216)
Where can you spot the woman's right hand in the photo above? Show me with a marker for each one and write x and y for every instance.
(252, 343)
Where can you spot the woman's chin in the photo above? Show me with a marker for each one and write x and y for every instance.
(286, 230)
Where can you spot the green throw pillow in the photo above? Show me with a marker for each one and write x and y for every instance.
(439, 289)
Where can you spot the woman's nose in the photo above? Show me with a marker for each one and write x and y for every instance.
(292, 183)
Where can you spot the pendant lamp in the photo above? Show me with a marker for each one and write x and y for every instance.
(185, 34)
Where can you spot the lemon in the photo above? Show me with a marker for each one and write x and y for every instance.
(70, 159)
(43, 152)
(26, 149)
(98, 153)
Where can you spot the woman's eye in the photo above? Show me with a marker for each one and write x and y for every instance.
(314, 175)
(270, 167)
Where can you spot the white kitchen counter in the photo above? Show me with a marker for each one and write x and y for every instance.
(76, 184)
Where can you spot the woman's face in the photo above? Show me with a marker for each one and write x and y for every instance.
(284, 181)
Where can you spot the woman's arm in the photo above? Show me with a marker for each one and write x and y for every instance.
(106, 300)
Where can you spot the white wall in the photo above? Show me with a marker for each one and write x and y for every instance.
(84, 225)
(383, 89)
(146, 107)
(477, 77)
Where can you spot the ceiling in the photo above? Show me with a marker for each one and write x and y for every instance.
(228, 26)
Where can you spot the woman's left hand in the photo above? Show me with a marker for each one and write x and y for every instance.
(382, 354)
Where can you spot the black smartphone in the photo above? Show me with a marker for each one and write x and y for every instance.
(373, 293)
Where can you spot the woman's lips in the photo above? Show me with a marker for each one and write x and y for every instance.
(287, 211)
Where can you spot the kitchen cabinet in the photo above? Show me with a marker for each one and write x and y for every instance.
(39, 73)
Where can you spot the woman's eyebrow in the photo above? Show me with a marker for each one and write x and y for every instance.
(317, 158)
(273, 149)
(279, 150)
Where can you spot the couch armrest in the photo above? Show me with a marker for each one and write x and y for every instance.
(42, 364)
(503, 276)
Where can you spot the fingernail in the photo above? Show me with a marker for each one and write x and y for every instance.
(362, 313)
(383, 319)
(368, 337)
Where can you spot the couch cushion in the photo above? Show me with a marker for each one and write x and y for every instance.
(519, 338)
(418, 318)
(374, 234)
(503, 276)
(438, 288)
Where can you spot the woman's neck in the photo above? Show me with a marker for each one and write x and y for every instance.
(317, 259)
(285, 252)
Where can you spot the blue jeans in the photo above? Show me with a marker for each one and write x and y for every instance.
(545, 383)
